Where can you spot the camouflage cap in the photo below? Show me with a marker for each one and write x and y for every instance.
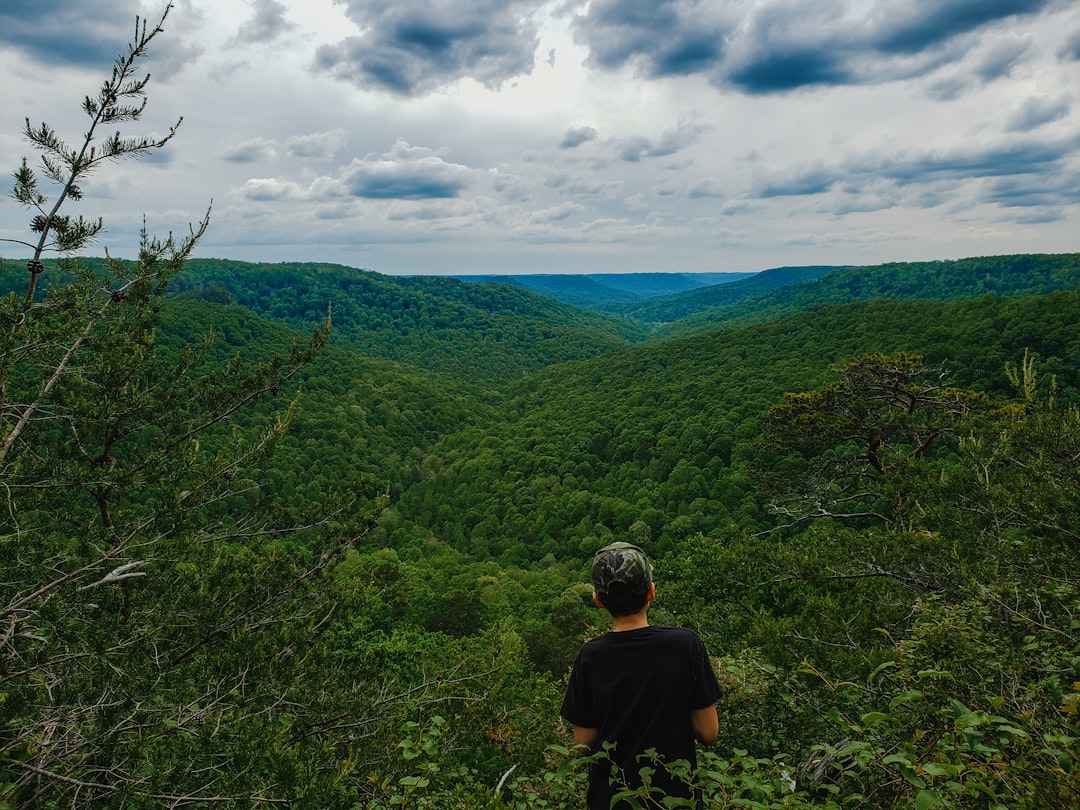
(621, 569)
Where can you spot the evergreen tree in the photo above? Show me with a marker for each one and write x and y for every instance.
(147, 632)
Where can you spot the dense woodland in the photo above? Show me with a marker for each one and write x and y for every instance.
(309, 535)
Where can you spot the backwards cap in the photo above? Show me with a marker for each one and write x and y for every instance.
(620, 570)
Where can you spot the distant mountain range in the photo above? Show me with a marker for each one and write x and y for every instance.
(601, 289)
(497, 328)
(667, 304)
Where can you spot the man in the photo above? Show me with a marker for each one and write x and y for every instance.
(637, 686)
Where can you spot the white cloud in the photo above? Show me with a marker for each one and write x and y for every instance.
(416, 136)
(262, 189)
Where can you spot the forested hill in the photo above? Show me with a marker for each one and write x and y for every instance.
(661, 435)
(481, 332)
(494, 332)
(716, 296)
(608, 290)
(1016, 275)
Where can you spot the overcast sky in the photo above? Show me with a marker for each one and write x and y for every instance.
(518, 136)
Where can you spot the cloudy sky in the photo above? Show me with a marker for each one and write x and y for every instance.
(521, 136)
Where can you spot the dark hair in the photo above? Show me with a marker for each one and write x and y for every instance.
(621, 603)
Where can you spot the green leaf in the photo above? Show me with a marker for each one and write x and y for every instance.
(939, 769)
(904, 697)
(874, 718)
(923, 674)
(881, 668)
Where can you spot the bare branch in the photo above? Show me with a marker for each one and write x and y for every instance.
(118, 574)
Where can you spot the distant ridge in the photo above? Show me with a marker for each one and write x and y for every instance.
(503, 328)
(947, 280)
(469, 331)
(601, 290)
(680, 305)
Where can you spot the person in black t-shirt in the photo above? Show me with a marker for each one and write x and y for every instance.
(638, 687)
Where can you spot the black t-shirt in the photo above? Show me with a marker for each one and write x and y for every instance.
(638, 687)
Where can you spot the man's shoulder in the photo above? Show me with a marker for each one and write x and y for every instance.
(679, 636)
(652, 634)
(682, 632)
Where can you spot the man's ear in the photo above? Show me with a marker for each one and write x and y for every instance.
(652, 593)
(596, 598)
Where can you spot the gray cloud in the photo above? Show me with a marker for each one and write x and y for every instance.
(912, 26)
(1036, 111)
(250, 151)
(45, 29)
(416, 46)
(1052, 191)
(801, 182)
(782, 45)
(317, 145)
(577, 185)
(1071, 49)
(577, 136)
(856, 165)
(995, 60)
(664, 37)
(1001, 57)
(45, 32)
(267, 23)
(268, 189)
(556, 213)
(1021, 158)
(1043, 216)
(670, 142)
(704, 188)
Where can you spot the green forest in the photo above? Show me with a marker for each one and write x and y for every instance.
(306, 535)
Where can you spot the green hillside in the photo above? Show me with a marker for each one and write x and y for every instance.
(1023, 274)
(357, 416)
(668, 308)
(663, 433)
(481, 332)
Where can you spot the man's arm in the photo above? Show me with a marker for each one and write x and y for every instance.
(705, 722)
(586, 738)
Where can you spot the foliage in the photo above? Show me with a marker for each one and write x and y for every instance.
(148, 631)
(1021, 275)
(895, 668)
(670, 308)
(478, 332)
(882, 414)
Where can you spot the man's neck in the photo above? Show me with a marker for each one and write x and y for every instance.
(634, 621)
